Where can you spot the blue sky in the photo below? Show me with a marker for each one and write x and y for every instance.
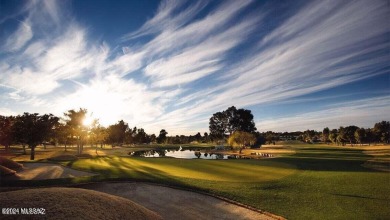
(171, 64)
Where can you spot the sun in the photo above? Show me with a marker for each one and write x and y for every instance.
(88, 120)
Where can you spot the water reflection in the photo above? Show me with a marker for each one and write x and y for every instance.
(181, 153)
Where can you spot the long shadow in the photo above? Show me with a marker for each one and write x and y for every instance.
(326, 159)
(359, 197)
(121, 171)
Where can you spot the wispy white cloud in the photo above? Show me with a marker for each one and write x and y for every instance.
(19, 38)
(200, 60)
(362, 113)
(166, 18)
(173, 40)
(310, 52)
(156, 84)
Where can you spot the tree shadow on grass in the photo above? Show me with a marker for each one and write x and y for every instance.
(326, 159)
(119, 170)
(359, 197)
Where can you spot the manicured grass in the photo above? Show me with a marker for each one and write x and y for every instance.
(318, 182)
(209, 170)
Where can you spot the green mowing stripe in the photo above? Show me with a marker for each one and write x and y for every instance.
(238, 171)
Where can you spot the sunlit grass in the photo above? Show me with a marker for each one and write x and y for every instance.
(215, 170)
(317, 182)
(304, 181)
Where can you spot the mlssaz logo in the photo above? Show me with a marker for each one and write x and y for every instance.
(23, 211)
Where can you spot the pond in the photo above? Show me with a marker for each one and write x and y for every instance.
(180, 153)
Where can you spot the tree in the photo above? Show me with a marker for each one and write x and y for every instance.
(153, 138)
(6, 131)
(325, 135)
(360, 135)
(260, 139)
(309, 135)
(333, 136)
(102, 135)
(350, 133)
(77, 130)
(242, 120)
(62, 134)
(341, 138)
(269, 137)
(162, 136)
(231, 120)
(240, 139)
(369, 136)
(198, 137)
(206, 138)
(382, 131)
(218, 125)
(117, 132)
(34, 129)
(141, 136)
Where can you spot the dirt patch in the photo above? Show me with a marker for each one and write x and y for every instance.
(73, 203)
(41, 171)
(177, 204)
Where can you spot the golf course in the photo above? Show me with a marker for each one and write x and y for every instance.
(303, 181)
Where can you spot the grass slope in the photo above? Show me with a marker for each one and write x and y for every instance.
(318, 182)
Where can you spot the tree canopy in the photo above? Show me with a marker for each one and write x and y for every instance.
(240, 139)
(162, 136)
(231, 120)
(33, 129)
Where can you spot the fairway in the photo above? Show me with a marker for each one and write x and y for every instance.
(210, 170)
(317, 182)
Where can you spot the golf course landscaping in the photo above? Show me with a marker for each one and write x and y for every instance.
(314, 182)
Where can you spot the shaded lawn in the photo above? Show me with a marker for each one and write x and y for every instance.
(318, 182)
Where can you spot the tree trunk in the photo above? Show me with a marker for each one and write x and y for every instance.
(79, 146)
(65, 145)
(24, 149)
(32, 155)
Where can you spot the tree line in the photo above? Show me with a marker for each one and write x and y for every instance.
(379, 133)
(234, 126)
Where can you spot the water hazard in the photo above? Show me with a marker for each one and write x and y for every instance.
(181, 153)
(184, 154)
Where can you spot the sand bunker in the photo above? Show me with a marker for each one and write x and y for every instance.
(177, 204)
(41, 171)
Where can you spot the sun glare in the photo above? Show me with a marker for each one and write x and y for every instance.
(105, 105)
(88, 121)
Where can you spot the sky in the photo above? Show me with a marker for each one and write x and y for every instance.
(170, 65)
